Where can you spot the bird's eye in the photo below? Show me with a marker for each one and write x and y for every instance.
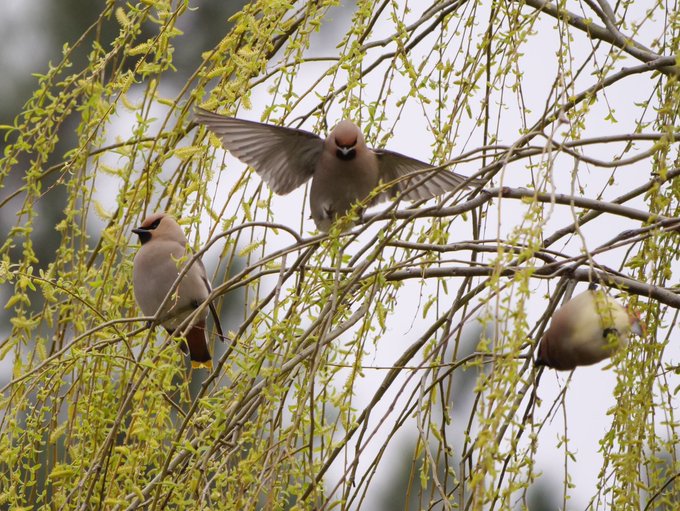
(155, 224)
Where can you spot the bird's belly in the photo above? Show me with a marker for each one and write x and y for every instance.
(334, 192)
(178, 305)
(592, 345)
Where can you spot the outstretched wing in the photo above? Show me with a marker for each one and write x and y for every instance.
(425, 181)
(285, 158)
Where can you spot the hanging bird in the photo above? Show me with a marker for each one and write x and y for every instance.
(154, 272)
(343, 169)
(588, 328)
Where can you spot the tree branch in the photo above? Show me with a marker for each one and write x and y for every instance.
(609, 34)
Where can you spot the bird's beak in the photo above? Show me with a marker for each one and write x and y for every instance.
(346, 149)
(139, 231)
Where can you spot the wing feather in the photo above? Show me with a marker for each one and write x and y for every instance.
(285, 158)
(421, 184)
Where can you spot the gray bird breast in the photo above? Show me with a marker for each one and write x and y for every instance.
(337, 184)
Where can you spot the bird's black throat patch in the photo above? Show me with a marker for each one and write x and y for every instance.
(349, 155)
(144, 236)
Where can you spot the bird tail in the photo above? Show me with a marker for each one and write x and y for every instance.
(198, 346)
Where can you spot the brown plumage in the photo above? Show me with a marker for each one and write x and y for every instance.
(343, 169)
(155, 270)
(589, 328)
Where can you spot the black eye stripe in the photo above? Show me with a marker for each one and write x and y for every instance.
(155, 224)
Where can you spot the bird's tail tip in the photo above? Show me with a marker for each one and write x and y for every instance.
(198, 364)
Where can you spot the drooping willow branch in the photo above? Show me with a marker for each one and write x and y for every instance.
(609, 34)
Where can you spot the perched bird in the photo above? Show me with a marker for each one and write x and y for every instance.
(343, 169)
(154, 272)
(588, 328)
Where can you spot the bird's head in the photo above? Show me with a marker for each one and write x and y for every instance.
(346, 136)
(159, 226)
